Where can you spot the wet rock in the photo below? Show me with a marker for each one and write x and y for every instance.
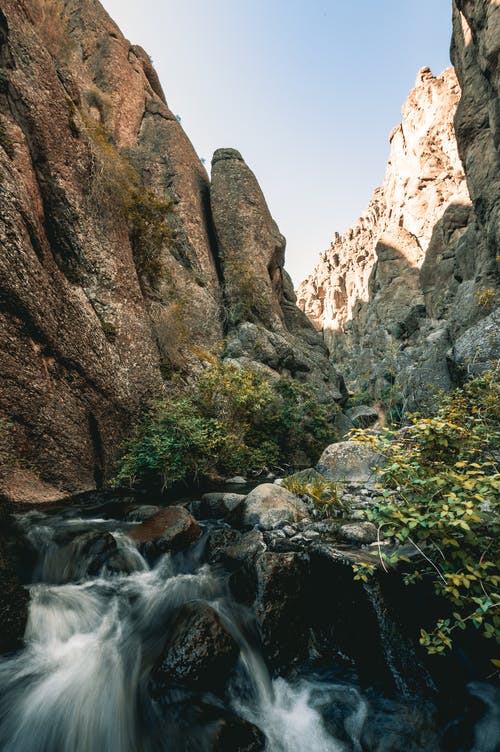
(362, 416)
(234, 733)
(200, 727)
(275, 587)
(218, 541)
(270, 506)
(358, 532)
(199, 652)
(14, 597)
(170, 529)
(349, 462)
(89, 554)
(237, 480)
(244, 550)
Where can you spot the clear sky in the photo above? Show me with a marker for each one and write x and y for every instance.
(307, 90)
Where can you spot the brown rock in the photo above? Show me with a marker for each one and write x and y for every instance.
(81, 336)
(172, 528)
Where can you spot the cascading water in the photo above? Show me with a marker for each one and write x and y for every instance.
(81, 684)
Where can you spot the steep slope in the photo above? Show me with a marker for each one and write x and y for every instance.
(397, 291)
(110, 272)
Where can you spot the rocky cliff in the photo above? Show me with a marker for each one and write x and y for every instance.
(112, 271)
(406, 298)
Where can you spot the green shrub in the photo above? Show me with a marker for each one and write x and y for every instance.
(230, 420)
(150, 219)
(360, 398)
(441, 496)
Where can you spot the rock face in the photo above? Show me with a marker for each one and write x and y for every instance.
(396, 291)
(262, 319)
(100, 299)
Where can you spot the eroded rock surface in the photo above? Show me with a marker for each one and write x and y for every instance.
(394, 293)
(95, 313)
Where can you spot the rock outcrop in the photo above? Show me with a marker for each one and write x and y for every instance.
(394, 294)
(262, 319)
(112, 276)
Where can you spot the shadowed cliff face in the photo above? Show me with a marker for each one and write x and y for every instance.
(399, 295)
(102, 295)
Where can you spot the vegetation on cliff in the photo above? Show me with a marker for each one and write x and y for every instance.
(440, 496)
(230, 419)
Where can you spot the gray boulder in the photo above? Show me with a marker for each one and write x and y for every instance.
(349, 462)
(270, 506)
(358, 532)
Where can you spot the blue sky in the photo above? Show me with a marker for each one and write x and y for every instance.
(308, 91)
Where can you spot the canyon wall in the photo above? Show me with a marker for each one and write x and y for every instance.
(112, 277)
(407, 299)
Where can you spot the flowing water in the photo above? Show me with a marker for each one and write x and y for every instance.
(81, 684)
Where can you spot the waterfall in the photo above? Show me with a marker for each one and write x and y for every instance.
(95, 631)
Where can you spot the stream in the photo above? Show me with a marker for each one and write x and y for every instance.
(82, 681)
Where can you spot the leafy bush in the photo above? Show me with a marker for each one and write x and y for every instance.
(441, 495)
(150, 219)
(230, 420)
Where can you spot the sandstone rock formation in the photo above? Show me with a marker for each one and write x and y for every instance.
(111, 275)
(395, 292)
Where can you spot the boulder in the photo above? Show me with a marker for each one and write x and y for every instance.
(170, 529)
(358, 532)
(350, 462)
(199, 653)
(269, 506)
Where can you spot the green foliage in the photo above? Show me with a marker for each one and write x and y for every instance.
(323, 493)
(230, 420)
(360, 398)
(109, 330)
(244, 293)
(6, 141)
(150, 219)
(441, 495)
